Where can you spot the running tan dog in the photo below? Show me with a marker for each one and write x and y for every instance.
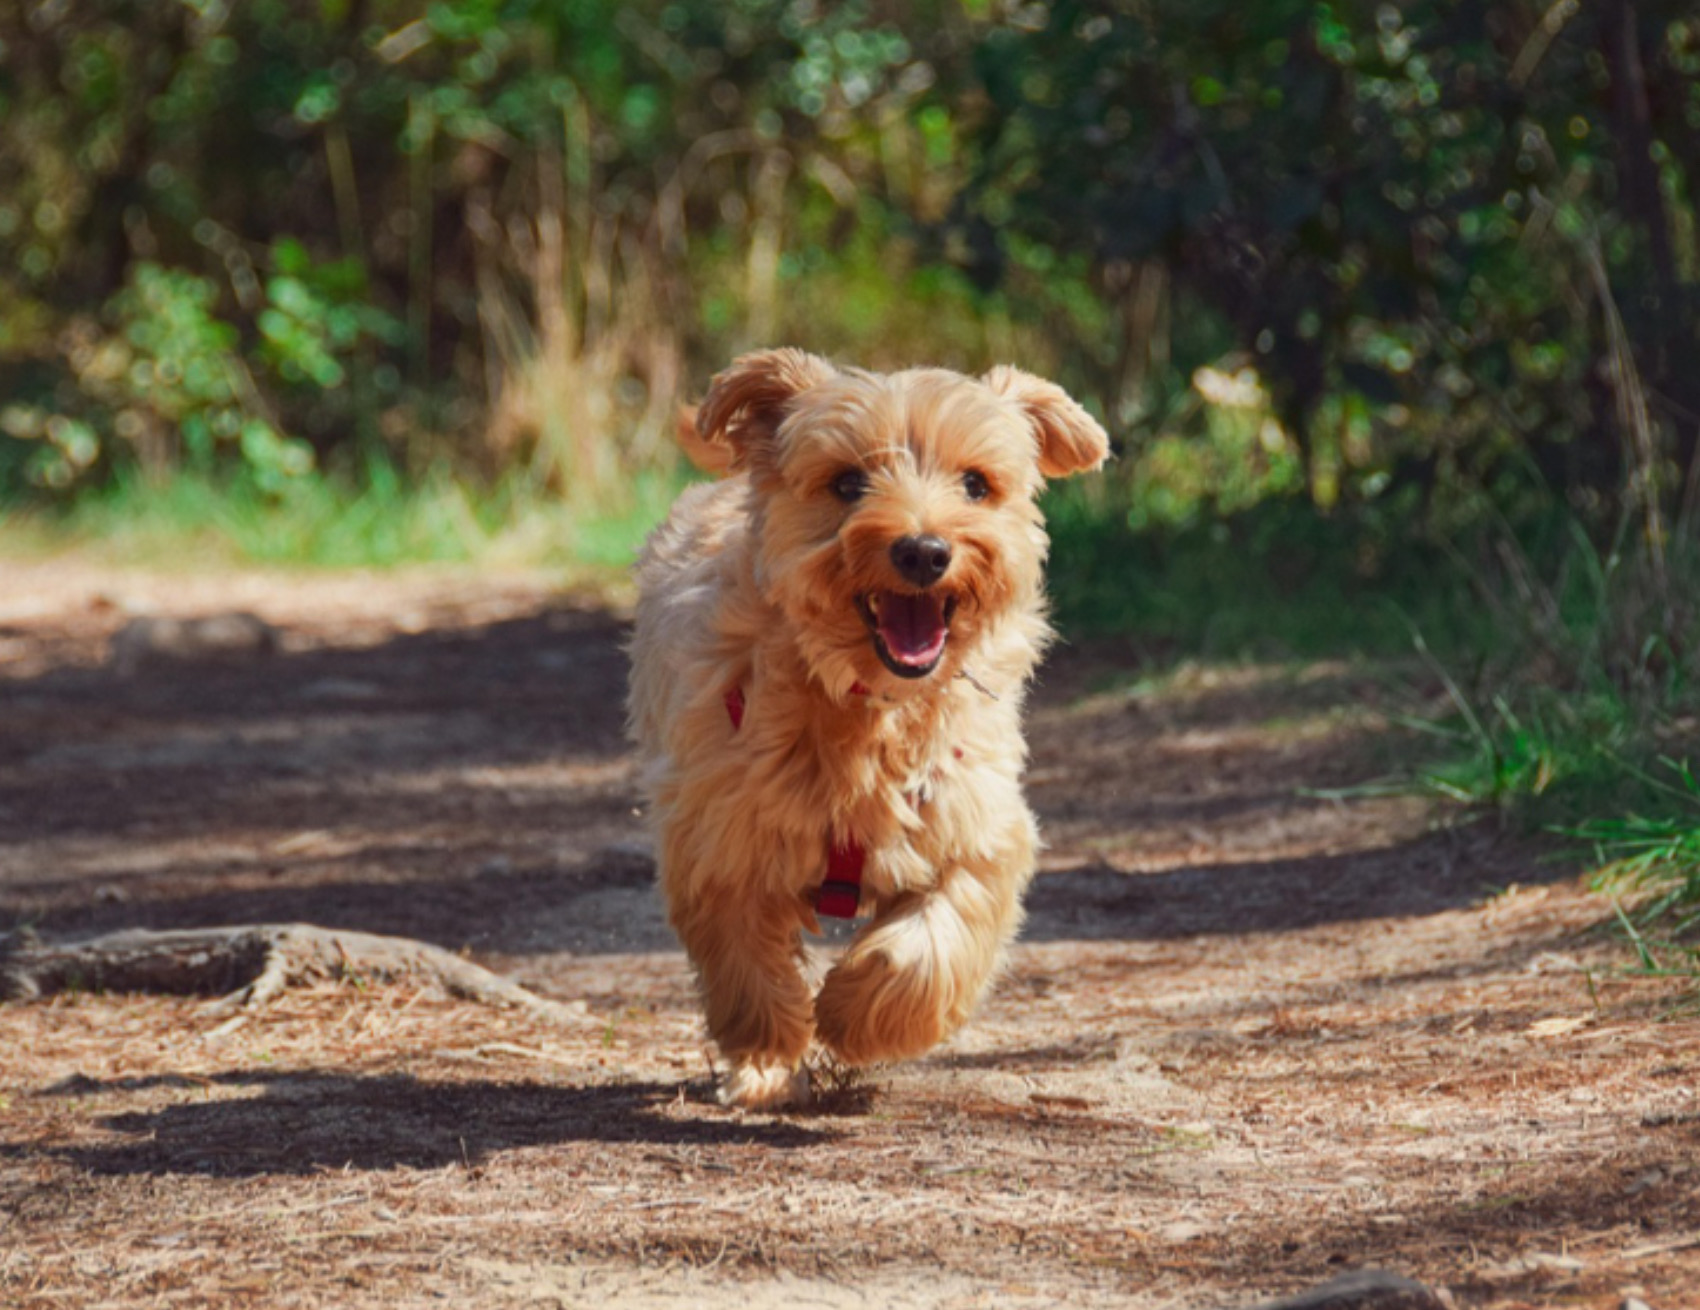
(831, 655)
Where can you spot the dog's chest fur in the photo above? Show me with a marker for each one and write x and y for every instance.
(917, 785)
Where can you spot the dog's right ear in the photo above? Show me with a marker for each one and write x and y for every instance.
(746, 403)
(709, 456)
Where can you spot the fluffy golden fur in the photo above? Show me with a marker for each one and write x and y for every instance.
(868, 521)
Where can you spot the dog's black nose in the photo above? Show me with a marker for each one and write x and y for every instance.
(921, 560)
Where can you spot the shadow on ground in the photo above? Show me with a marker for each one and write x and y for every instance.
(1429, 874)
(304, 1122)
(187, 746)
(472, 787)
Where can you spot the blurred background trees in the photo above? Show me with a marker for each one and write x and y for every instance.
(1427, 260)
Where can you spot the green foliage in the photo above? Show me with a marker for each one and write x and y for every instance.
(1422, 224)
(316, 317)
(1587, 662)
(1220, 451)
(1655, 856)
(1441, 244)
(1274, 581)
(161, 373)
(1649, 862)
(1561, 751)
(356, 151)
(1578, 691)
(373, 519)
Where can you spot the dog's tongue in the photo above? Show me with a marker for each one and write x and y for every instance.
(912, 627)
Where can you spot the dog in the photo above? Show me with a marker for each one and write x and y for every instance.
(830, 656)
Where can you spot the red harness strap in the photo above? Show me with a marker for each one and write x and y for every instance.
(840, 895)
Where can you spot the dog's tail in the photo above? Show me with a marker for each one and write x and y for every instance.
(709, 456)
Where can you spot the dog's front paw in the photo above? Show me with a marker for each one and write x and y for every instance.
(765, 1087)
(870, 1011)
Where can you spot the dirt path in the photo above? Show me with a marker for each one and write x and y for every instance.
(1250, 1039)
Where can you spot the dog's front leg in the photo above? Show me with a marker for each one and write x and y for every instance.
(915, 973)
(747, 953)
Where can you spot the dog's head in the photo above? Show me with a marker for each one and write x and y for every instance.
(895, 513)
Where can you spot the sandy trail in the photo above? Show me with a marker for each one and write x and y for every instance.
(1251, 1038)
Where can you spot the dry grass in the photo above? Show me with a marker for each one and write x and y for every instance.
(582, 350)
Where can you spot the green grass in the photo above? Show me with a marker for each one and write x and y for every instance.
(1649, 861)
(1522, 743)
(1563, 672)
(1575, 722)
(330, 522)
(1583, 766)
(1273, 582)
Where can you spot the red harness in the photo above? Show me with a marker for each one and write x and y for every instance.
(841, 893)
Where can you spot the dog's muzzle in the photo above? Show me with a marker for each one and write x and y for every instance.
(909, 629)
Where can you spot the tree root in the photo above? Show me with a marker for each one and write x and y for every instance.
(248, 965)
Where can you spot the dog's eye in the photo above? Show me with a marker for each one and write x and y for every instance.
(975, 486)
(849, 485)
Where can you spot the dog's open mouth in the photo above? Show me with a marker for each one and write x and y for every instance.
(909, 628)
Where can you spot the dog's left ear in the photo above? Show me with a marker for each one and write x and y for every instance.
(746, 403)
(1070, 439)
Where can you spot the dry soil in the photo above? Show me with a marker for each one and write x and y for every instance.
(1262, 1026)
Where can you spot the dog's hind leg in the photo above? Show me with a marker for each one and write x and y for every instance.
(748, 957)
(915, 973)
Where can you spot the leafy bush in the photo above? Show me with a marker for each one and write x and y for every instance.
(473, 233)
(1452, 240)
(1443, 243)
